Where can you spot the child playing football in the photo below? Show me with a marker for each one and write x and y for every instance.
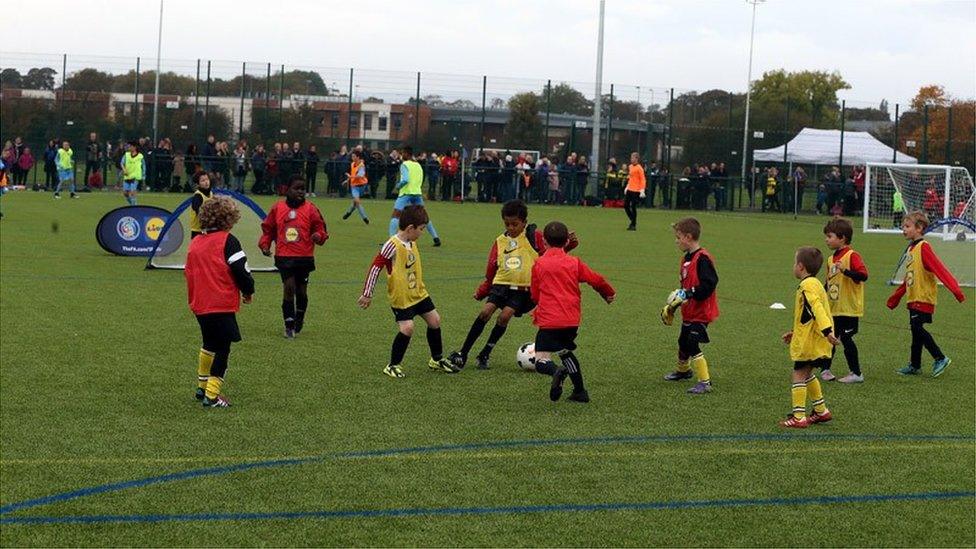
(410, 192)
(556, 277)
(811, 340)
(698, 302)
(507, 280)
(295, 226)
(133, 171)
(66, 169)
(201, 195)
(846, 276)
(922, 268)
(217, 276)
(357, 184)
(400, 256)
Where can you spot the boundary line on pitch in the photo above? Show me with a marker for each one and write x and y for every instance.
(631, 439)
(489, 510)
(895, 445)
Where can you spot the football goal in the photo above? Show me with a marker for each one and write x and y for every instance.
(892, 190)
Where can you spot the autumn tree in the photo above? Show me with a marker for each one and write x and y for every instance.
(524, 128)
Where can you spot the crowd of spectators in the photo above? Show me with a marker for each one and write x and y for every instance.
(835, 194)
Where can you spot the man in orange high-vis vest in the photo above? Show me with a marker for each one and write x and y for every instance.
(636, 184)
(357, 182)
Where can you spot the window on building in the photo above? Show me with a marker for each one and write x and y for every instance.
(367, 121)
(354, 120)
(335, 119)
(397, 119)
(382, 123)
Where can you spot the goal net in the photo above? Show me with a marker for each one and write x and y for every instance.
(954, 241)
(892, 190)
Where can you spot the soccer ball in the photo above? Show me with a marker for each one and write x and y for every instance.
(525, 357)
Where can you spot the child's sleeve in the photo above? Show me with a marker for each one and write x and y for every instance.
(384, 259)
(934, 265)
(858, 271)
(404, 176)
(707, 279)
(268, 229)
(196, 202)
(820, 315)
(237, 261)
(318, 227)
(490, 271)
(594, 279)
(535, 285)
(896, 296)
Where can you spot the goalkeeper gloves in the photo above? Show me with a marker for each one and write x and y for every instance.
(675, 299)
(667, 315)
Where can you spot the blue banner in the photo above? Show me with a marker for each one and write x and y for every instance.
(134, 231)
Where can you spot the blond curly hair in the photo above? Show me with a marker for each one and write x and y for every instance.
(219, 214)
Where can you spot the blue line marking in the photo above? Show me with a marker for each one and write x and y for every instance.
(632, 439)
(487, 510)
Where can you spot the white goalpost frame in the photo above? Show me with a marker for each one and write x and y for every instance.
(946, 191)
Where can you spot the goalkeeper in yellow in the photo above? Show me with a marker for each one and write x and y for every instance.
(811, 340)
(698, 302)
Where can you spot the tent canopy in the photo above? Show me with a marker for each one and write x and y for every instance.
(812, 146)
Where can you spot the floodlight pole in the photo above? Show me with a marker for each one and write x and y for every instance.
(159, 50)
(595, 148)
(745, 126)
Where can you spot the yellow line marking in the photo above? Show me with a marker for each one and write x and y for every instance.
(529, 452)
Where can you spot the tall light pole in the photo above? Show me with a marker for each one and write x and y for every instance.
(159, 50)
(745, 126)
(595, 148)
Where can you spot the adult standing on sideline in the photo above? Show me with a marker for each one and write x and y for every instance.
(311, 169)
(93, 157)
(636, 187)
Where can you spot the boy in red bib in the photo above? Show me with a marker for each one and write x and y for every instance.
(217, 276)
(296, 227)
(698, 302)
(556, 277)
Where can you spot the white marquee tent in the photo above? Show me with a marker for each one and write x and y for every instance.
(813, 146)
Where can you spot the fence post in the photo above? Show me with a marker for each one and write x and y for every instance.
(670, 130)
(948, 153)
(894, 144)
(135, 97)
(206, 105)
(281, 99)
(843, 120)
(196, 104)
(609, 130)
(64, 68)
(349, 114)
(267, 100)
(240, 123)
(416, 117)
(484, 96)
(925, 135)
(545, 148)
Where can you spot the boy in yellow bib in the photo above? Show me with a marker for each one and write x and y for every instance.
(508, 278)
(405, 287)
(922, 268)
(811, 340)
(845, 280)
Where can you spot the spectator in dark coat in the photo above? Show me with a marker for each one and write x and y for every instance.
(311, 169)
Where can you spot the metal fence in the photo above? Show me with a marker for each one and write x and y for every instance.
(45, 97)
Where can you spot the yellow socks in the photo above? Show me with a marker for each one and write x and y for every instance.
(203, 368)
(816, 394)
(700, 365)
(683, 366)
(799, 395)
(213, 386)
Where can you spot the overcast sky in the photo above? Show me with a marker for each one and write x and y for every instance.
(884, 48)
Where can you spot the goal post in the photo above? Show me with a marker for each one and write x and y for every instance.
(892, 190)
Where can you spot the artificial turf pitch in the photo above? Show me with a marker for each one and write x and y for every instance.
(97, 371)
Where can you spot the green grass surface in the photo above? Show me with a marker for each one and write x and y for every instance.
(97, 369)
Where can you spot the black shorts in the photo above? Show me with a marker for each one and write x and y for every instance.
(822, 363)
(219, 327)
(420, 308)
(518, 299)
(845, 326)
(917, 318)
(298, 267)
(696, 332)
(554, 340)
